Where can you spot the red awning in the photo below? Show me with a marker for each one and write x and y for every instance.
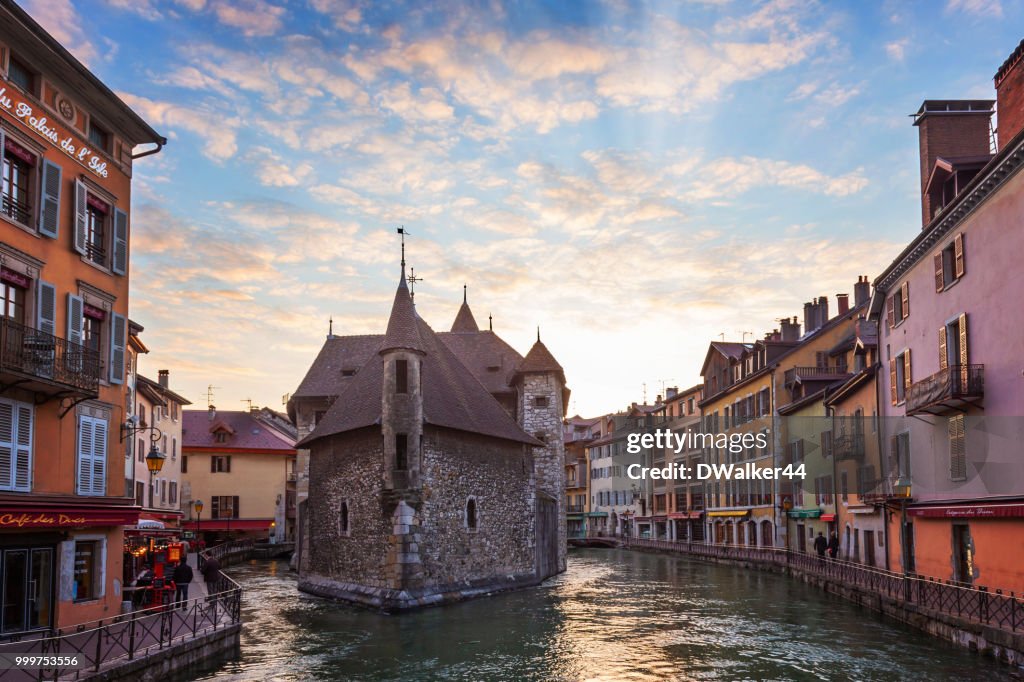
(969, 511)
(827, 517)
(229, 524)
(66, 516)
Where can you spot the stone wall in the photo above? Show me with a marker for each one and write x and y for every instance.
(545, 423)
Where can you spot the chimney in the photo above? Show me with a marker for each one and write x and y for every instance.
(861, 291)
(791, 328)
(822, 311)
(657, 400)
(213, 412)
(808, 318)
(671, 391)
(1009, 80)
(163, 376)
(949, 128)
(843, 303)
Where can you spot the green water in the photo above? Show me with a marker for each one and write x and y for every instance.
(614, 615)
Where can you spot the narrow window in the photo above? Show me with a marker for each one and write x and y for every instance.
(86, 573)
(401, 452)
(184, 464)
(401, 376)
(540, 401)
(99, 137)
(471, 514)
(21, 75)
(343, 519)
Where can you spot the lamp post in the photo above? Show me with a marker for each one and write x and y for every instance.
(198, 506)
(154, 462)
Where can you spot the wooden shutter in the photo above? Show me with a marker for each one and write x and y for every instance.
(85, 453)
(234, 507)
(958, 255)
(7, 447)
(963, 339)
(117, 343)
(227, 462)
(892, 379)
(943, 358)
(49, 200)
(907, 378)
(215, 507)
(939, 279)
(99, 457)
(76, 319)
(891, 310)
(46, 319)
(957, 451)
(120, 261)
(81, 218)
(894, 444)
(24, 416)
(905, 295)
(213, 464)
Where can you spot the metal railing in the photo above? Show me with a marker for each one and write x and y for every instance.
(978, 604)
(225, 551)
(103, 644)
(956, 382)
(813, 373)
(848, 446)
(47, 357)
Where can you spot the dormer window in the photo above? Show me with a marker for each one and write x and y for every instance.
(221, 437)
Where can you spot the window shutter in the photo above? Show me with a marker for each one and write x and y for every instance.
(943, 359)
(939, 280)
(49, 200)
(228, 464)
(81, 218)
(99, 457)
(7, 449)
(907, 378)
(23, 447)
(891, 310)
(215, 507)
(892, 379)
(47, 307)
(120, 262)
(894, 444)
(958, 253)
(213, 465)
(905, 294)
(117, 343)
(76, 319)
(234, 507)
(85, 452)
(957, 451)
(963, 339)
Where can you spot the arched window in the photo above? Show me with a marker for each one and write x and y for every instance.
(343, 520)
(471, 518)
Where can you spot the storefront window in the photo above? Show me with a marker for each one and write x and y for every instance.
(86, 562)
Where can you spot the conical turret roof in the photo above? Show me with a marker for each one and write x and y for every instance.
(464, 321)
(539, 359)
(403, 330)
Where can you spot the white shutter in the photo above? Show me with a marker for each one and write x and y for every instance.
(81, 218)
(7, 448)
(85, 450)
(76, 319)
(49, 200)
(47, 307)
(120, 260)
(99, 457)
(117, 343)
(23, 447)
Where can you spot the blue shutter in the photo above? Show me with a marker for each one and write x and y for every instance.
(117, 344)
(76, 319)
(120, 261)
(49, 195)
(85, 450)
(99, 457)
(47, 306)
(81, 218)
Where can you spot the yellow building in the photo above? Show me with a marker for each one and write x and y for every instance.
(241, 465)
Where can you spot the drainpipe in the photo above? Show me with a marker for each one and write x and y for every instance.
(881, 458)
(149, 152)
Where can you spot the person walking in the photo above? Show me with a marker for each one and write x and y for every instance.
(820, 545)
(833, 546)
(182, 577)
(211, 574)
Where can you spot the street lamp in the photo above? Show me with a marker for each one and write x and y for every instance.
(198, 506)
(154, 462)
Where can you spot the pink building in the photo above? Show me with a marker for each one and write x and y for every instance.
(951, 342)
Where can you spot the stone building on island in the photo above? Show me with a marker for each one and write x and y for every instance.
(435, 464)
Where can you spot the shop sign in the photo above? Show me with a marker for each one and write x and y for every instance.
(24, 112)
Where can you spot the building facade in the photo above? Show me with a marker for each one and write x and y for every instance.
(66, 143)
(158, 422)
(577, 433)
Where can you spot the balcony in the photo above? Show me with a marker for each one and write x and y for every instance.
(948, 390)
(46, 364)
(848, 446)
(799, 375)
(882, 490)
(574, 509)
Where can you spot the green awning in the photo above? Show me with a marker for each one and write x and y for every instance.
(804, 513)
(597, 514)
(574, 517)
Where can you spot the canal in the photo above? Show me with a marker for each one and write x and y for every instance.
(614, 615)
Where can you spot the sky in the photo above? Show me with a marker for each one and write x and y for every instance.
(637, 179)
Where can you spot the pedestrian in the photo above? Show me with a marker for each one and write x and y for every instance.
(820, 545)
(182, 576)
(833, 546)
(211, 574)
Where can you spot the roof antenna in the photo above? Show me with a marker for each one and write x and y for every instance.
(249, 401)
(209, 394)
(490, 322)
(412, 283)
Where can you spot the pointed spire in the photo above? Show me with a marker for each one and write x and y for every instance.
(403, 329)
(539, 359)
(464, 294)
(538, 333)
(464, 320)
(490, 322)
(330, 327)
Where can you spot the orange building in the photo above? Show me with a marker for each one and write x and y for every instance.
(66, 143)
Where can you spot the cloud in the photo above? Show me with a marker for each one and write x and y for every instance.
(219, 132)
(274, 171)
(63, 22)
(254, 17)
(896, 50)
(979, 8)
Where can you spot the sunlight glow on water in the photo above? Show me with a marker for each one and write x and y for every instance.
(614, 615)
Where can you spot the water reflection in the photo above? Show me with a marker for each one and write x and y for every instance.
(614, 615)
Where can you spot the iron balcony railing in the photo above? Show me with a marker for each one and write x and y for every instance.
(848, 446)
(947, 388)
(48, 358)
(994, 608)
(813, 373)
(574, 508)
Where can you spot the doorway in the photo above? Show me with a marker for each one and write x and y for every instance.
(869, 547)
(963, 553)
(26, 588)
